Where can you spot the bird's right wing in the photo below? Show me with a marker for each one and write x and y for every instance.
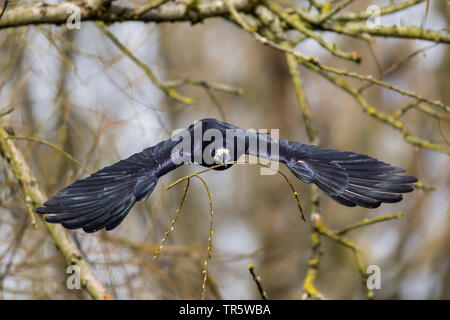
(104, 199)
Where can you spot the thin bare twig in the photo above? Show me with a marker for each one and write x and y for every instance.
(332, 12)
(6, 112)
(50, 145)
(367, 222)
(172, 224)
(211, 232)
(257, 280)
(5, 5)
(153, 4)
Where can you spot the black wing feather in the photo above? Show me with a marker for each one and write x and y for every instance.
(104, 199)
(349, 178)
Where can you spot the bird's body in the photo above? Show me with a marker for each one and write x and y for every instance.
(103, 199)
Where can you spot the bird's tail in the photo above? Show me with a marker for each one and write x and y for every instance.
(350, 178)
(101, 200)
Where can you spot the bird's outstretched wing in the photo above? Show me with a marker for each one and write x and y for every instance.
(349, 178)
(103, 199)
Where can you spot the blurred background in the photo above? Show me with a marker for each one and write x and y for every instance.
(76, 89)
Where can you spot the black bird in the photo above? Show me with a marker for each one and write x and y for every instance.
(104, 199)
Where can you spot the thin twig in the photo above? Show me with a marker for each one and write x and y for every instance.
(298, 25)
(211, 232)
(381, 83)
(441, 132)
(149, 6)
(205, 84)
(5, 4)
(257, 280)
(367, 222)
(397, 65)
(364, 15)
(321, 229)
(48, 144)
(335, 10)
(295, 193)
(6, 112)
(378, 115)
(421, 186)
(172, 224)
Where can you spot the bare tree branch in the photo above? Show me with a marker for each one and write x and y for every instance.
(36, 197)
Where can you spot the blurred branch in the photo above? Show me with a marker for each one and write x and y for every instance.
(378, 115)
(211, 232)
(309, 287)
(400, 112)
(167, 89)
(318, 229)
(298, 25)
(48, 144)
(58, 13)
(149, 6)
(367, 222)
(387, 85)
(10, 253)
(63, 242)
(303, 59)
(397, 65)
(356, 29)
(315, 4)
(173, 184)
(295, 193)
(394, 7)
(324, 231)
(257, 280)
(335, 10)
(97, 6)
(441, 132)
(433, 113)
(209, 88)
(237, 17)
(6, 112)
(171, 250)
(420, 185)
(225, 88)
(5, 5)
(294, 70)
(174, 220)
(198, 10)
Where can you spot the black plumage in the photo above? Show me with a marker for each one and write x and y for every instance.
(104, 199)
